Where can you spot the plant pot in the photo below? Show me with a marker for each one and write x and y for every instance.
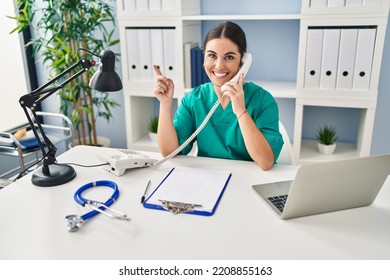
(153, 136)
(326, 149)
(101, 142)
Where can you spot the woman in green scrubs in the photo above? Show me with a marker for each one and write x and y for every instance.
(245, 126)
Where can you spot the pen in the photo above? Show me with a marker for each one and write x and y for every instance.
(146, 190)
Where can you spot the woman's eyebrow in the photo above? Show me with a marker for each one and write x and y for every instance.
(230, 53)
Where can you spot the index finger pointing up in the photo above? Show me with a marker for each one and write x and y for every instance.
(157, 70)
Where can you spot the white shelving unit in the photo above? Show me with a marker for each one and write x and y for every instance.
(140, 104)
(364, 100)
(185, 18)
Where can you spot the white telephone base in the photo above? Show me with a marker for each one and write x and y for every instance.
(120, 160)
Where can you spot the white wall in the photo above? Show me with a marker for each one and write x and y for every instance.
(13, 79)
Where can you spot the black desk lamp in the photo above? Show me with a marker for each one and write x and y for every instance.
(104, 79)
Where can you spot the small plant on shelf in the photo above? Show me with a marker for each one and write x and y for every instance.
(326, 137)
(153, 125)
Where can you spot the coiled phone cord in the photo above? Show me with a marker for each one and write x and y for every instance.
(192, 137)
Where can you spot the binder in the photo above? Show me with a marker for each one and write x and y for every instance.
(154, 5)
(129, 5)
(168, 4)
(169, 52)
(330, 52)
(145, 54)
(157, 50)
(371, 2)
(205, 78)
(313, 58)
(318, 3)
(142, 5)
(353, 3)
(199, 66)
(194, 67)
(188, 64)
(198, 75)
(189, 190)
(336, 3)
(345, 70)
(364, 56)
(133, 54)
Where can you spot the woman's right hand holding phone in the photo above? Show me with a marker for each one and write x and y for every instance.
(164, 87)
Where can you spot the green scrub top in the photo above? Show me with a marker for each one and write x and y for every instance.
(222, 137)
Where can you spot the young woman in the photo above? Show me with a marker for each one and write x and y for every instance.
(245, 126)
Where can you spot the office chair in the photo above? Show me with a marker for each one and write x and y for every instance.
(286, 155)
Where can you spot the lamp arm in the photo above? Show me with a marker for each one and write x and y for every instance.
(32, 99)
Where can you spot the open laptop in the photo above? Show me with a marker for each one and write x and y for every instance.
(326, 187)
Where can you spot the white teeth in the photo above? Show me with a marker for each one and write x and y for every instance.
(220, 74)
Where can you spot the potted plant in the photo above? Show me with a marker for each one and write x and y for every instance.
(326, 137)
(153, 125)
(63, 28)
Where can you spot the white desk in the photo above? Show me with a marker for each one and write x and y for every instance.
(243, 227)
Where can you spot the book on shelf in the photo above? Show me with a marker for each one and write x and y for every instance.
(194, 74)
(187, 63)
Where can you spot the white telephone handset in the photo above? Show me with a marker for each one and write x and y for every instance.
(246, 64)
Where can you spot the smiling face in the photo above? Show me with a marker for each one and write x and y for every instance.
(221, 60)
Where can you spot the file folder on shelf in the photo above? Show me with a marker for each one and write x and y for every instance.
(330, 53)
(372, 2)
(336, 3)
(157, 50)
(313, 58)
(347, 54)
(169, 52)
(318, 3)
(364, 56)
(168, 4)
(187, 63)
(353, 3)
(195, 78)
(129, 5)
(189, 190)
(145, 54)
(155, 5)
(133, 54)
(142, 5)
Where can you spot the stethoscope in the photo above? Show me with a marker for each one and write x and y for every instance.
(75, 221)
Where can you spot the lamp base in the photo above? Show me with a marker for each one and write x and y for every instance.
(57, 174)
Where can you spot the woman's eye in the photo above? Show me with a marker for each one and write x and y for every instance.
(229, 57)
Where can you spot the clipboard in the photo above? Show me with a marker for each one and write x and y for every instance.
(189, 190)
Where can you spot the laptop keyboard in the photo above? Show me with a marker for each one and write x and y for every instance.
(278, 201)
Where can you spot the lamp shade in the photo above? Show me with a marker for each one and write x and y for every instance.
(106, 79)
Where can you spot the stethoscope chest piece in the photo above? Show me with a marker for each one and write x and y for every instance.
(74, 222)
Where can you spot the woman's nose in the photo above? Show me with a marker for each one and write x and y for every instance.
(219, 63)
